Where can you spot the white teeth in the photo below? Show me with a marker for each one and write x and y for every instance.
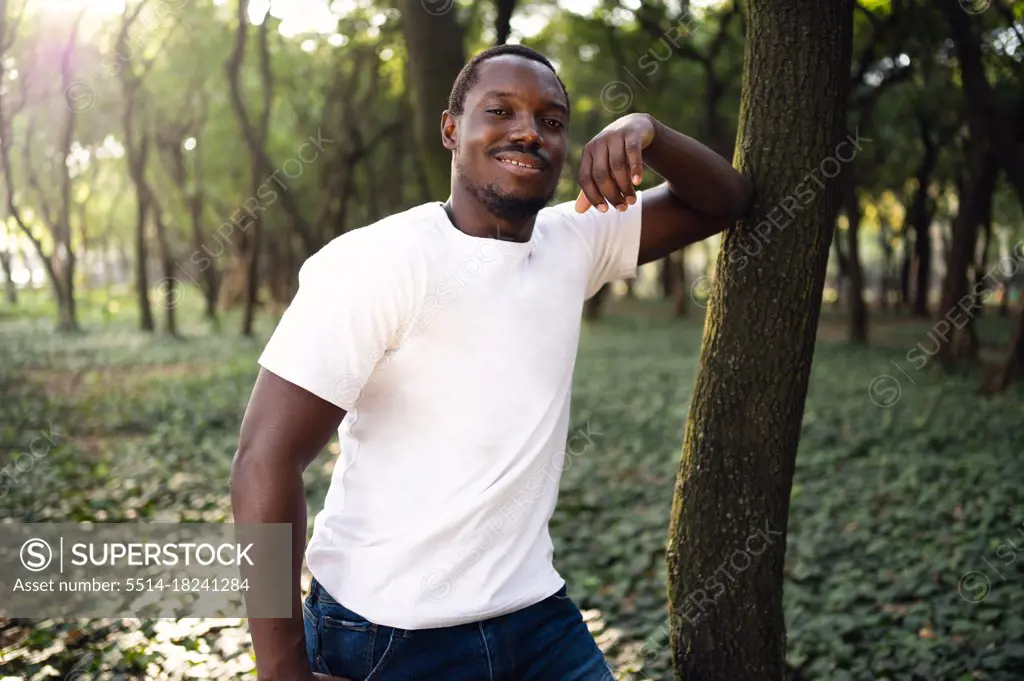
(517, 163)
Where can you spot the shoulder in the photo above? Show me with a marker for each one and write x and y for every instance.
(560, 220)
(561, 223)
(380, 251)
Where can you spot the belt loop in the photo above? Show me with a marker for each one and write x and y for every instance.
(314, 591)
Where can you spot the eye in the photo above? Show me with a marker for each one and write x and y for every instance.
(498, 111)
(554, 123)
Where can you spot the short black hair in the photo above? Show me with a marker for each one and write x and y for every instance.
(468, 75)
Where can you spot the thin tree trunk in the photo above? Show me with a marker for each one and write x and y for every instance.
(735, 477)
(10, 289)
(858, 329)
(1012, 368)
(209, 275)
(981, 267)
(592, 308)
(921, 219)
(255, 135)
(666, 276)
(682, 290)
(884, 234)
(503, 20)
(906, 267)
(170, 283)
(955, 331)
(136, 156)
(59, 263)
(843, 276)
(65, 250)
(436, 55)
(981, 100)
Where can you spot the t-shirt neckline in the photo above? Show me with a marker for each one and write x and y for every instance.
(511, 249)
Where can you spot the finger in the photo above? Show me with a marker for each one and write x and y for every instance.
(619, 164)
(587, 184)
(635, 155)
(602, 174)
(582, 203)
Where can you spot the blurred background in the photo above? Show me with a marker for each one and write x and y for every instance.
(168, 165)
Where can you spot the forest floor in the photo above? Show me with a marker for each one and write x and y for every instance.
(906, 524)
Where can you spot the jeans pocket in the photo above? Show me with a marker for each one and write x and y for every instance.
(345, 647)
(353, 647)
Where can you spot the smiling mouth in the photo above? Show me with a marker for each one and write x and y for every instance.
(535, 166)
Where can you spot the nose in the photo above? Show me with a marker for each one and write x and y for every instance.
(525, 131)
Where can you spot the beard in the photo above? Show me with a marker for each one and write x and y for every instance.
(502, 204)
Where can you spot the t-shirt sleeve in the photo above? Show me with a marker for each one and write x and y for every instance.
(346, 314)
(612, 240)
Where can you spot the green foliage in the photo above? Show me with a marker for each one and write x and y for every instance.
(891, 508)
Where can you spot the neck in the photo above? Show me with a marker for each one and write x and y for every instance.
(473, 218)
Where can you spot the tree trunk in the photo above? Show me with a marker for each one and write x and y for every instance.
(682, 291)
(666, 276)
(736, 471)
(955, 332)
(210, 277)
(255, 134)
(135, 166)
(921, 219)
(136, 155)
(503, 20)
(60, 262)
(980, 287)
(592, 307)
(10, 289)
(1012, 369)
(169, 284)
(64, 249)
(843, 276)
(858, 330)
(981, 100)
(906, 267)
(434, 42)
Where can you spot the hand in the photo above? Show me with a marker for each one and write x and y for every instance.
(613, 164)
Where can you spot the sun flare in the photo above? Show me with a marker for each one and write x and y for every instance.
(100, 7)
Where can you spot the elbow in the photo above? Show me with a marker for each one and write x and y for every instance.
(741, 197)
(242, 474)
(236, 475)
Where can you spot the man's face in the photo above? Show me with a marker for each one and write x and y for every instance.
(510, 140)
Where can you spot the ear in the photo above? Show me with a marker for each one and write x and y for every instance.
(449, 130)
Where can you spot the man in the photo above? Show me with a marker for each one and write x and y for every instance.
(442, 341)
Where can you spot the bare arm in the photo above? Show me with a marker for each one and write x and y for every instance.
(702, 193)
(283, 431)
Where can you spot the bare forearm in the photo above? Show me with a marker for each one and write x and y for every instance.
(698, 176)
(274, 493)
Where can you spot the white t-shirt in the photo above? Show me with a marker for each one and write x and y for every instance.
(453, 356)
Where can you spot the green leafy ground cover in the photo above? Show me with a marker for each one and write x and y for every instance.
(906, 530)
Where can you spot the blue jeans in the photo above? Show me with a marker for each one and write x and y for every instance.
(547, 641)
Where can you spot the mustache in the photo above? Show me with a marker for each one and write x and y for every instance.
(532, 150)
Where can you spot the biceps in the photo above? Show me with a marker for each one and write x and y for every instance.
(284, 422)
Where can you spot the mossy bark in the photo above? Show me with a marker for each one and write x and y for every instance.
(727, 533)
